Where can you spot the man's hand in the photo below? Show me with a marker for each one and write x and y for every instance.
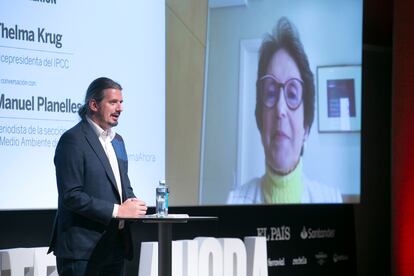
(132, 208)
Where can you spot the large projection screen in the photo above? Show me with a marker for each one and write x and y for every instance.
(49, 53)
(233, 154)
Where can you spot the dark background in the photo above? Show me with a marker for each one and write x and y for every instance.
(370, 220)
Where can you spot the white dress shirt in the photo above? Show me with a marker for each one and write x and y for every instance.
(106, 137)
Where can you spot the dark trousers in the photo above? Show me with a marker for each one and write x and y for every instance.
(106, 260)
(70, 267)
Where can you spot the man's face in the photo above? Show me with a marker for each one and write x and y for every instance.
(283, 132)
(107, 112)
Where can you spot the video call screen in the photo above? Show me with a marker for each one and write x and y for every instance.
(282, 118)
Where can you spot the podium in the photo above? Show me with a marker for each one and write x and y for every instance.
(165, 237)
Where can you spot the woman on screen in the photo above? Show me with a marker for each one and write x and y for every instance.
(285, 96)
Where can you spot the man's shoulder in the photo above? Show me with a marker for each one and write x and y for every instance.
(73, 134)
(76, 127)
(119, 147)
(118, 137)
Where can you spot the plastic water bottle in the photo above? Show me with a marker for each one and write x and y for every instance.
(162, 199)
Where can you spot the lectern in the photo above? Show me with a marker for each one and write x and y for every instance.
(165, 237)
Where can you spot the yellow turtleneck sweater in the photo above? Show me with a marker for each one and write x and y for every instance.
(283, 188)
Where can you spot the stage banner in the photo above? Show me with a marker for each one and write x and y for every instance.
(301, 240)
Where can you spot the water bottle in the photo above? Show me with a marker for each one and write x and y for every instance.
(162, 199)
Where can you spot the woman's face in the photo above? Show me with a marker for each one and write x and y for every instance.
(283, 131)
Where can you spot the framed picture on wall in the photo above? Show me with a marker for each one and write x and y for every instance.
(339, 98)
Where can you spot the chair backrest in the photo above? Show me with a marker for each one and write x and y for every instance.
(16, 260)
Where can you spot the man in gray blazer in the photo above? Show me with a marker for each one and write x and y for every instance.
(89, 236)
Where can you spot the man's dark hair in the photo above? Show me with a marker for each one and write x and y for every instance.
(285, 36)
(95, 92)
